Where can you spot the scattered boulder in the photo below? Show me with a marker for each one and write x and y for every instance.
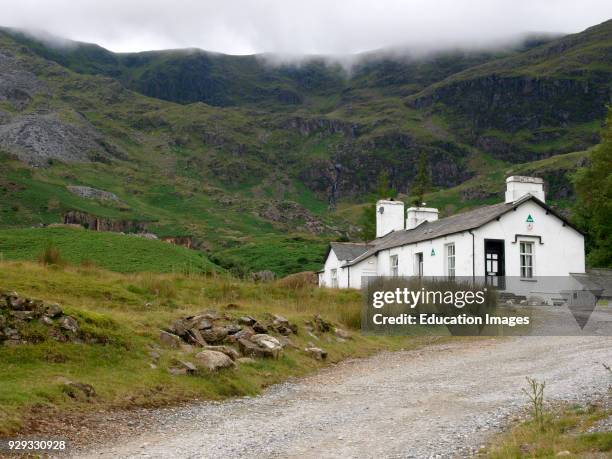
(247, 320)
(232, 329)
(191, 368)
(46, 320)
(320, 324)
(169, 339)
(342, 334)
(316, 352)
(214, 335)
(260, 345)
(53, 310)
(22, 315)
(69, 323)
(227, 350)
(258, 327)
(17, 311)
(214, 360)
(282, 325)
(286, 342)
(245, 333)
(72, 389)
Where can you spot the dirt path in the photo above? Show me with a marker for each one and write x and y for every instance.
(441, 400)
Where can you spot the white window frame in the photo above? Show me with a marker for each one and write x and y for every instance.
(334, 278)
(451, 260)
(527, 259)
(394, 263)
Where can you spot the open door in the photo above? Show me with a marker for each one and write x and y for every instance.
(495, 263)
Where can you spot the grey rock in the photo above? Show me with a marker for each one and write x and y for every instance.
(316, 352)
(69, 323)
(214, 335)
(169, 339)
(38, 138)
(214, 360)
(92, 193)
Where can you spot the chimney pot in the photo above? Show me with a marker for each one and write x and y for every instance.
(519, 186)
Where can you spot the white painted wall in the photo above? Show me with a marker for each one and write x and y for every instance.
(389, 217)
(417, 215)
(518, 186)
(434, 263)
(560, 253)
(365, 268)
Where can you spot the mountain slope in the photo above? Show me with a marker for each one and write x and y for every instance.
(543, 101)
(253, 176)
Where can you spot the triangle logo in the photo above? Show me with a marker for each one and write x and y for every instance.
(433, 252)
(583, 307)
(529, 219)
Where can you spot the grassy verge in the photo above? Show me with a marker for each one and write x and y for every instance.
(127, 310)
(113, 251)
(568, 431)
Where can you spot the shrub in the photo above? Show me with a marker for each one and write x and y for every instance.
(51, 255)
(535, 392)
(298, 281)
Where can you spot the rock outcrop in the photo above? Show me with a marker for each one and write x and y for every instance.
(17, 84)
(37, 139)
(92, 193)
(234, 338)
(18, 312)
(95, 223)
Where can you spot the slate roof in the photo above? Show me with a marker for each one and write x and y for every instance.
(349, 250)
(450, 225)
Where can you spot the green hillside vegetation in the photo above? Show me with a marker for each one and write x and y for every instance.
(124, 314)
(116, 252)
(263, 164)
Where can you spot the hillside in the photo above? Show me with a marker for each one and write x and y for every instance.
(256, 164)
(116, 252)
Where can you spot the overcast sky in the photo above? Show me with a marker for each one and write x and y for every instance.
(299, 27)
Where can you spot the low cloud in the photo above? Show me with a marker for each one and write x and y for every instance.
(293, 28)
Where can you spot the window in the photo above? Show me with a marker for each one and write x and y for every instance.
(334, 278)
(526, 259)
(394, 266)
(450, 260)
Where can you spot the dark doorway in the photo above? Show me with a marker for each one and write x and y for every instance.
(495, 265)
(418, 264)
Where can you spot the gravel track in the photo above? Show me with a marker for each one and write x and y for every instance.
(443, 400)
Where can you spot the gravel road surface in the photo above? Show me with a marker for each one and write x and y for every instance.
(443, 400)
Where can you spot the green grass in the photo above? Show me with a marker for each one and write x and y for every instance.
(565, 429)
(127, 311)
(112, 251)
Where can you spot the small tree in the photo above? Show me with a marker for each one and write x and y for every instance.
(593, 208)
(535, 392)
(422, 182)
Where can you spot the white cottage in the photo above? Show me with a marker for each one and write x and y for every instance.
(521, 237)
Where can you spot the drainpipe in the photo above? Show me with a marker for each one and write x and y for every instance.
(348, 274)
(473, 257)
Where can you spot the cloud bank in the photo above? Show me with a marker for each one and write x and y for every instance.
(293, 27)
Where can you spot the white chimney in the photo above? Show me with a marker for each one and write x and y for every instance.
(518, 186)
(389, 217)
(417, 215)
